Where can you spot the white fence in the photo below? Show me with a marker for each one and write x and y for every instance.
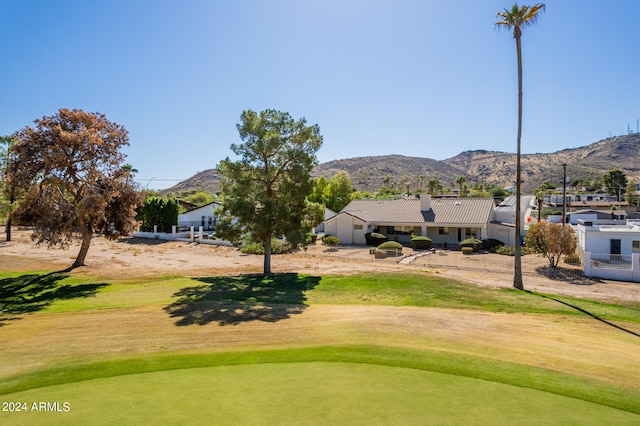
(620, 267)
(191, 236)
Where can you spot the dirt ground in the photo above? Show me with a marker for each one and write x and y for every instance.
(139, 257)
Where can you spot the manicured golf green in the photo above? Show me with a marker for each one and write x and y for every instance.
(304, 393)
(322, 383)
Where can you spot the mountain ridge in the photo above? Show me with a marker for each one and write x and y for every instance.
(491, 167)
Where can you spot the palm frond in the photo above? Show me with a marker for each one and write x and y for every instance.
(519, 16)
(532, 14)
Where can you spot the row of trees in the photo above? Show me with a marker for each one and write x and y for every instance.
(614, 182)
(337, 192)
(66, 176)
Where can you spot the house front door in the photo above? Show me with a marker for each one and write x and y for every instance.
(615, 246)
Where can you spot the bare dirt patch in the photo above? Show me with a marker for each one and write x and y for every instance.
(138, 257)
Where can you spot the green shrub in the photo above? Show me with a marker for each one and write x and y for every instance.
(421, 243)
(312, 238)
(548, 211)
(511, 250)
(253, 248)
(467, 250)
(491, 244)
(160, 212)
(471, 242)
(330, 240)
(390, 245)
(572, 259)
(374, 238)
(393, 248)
(506, 250)
(277, 247)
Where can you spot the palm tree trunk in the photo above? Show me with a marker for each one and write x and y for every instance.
(517, 278)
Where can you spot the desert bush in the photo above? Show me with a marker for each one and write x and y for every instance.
(546, 211)
(467, 250)
(471, 242)
(511, 250)
(572, 259)
(277, 247)
(552, 240)
(491, 244)
(253, 248)
(393, 248)
(374, 238)
(421, 243)
(330, 240)
(390, 245)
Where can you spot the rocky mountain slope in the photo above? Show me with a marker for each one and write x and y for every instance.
(492, 167)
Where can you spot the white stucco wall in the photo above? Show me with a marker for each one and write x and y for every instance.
(582, 216)
(194, 217)
(342, 226)
(345, 226)
(597, 239)
(506, 234)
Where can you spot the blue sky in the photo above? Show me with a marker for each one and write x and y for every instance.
(418, 78)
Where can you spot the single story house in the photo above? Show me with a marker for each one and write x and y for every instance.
(610, 249)
(610, 237)
(328, 214)
(592, 215)
(200, 216)
(444, 220)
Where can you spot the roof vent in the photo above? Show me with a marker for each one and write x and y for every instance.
(457, 203)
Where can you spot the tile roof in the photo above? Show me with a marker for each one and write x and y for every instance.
(407, 210)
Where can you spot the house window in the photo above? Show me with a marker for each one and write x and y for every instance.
(635, 246)
(358, 227)
(402, 230)
(443, 231)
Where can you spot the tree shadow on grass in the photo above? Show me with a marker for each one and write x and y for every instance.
(584, 311)
(244, 298)
(31, 293)
(569, 276)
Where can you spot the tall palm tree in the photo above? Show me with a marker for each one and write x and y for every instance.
(460, 180)
(434, 186)
(515, 19)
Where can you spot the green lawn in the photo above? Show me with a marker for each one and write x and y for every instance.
(323, 384)
(72, 293)
(334, 393)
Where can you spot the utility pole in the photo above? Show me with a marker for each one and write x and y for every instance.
(564, 194)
